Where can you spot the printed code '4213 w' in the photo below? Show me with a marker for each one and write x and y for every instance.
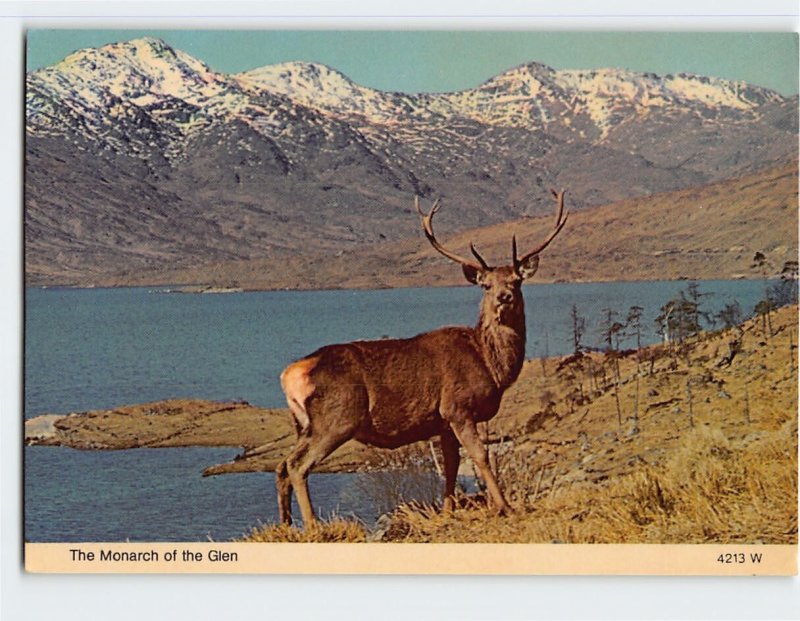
(739, 558)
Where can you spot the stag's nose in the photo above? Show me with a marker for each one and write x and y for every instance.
(505, 297)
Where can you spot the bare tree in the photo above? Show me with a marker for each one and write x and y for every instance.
(611, 330)
(578, 328)
(765, 306)
(679, 320)
(633, 323)
(730, 316)
(764, 310)
(695, 296)
(393, 392)
(784, 291)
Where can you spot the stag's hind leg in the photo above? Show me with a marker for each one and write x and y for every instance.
(311, 449)
(284, 486)
(327, 410)
(297, 385)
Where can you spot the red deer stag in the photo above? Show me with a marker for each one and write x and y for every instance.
(393, 392)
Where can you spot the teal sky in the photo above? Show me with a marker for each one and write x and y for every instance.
(431, 61)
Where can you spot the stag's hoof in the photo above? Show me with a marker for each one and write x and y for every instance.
(502, 510)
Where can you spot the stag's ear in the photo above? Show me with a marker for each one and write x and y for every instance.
(472, 274)
(528, 267)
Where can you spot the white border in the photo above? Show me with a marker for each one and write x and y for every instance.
(24, 596)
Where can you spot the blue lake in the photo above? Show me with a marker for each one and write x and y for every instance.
(159, 495)
(102, 348)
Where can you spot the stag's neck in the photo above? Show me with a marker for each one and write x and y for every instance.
(502, 343)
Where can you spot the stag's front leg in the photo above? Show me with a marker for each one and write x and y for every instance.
(451, 460)
(467, 435)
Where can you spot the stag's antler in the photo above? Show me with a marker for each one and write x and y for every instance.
(561, 220)
(427, 225)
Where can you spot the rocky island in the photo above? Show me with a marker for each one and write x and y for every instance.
(265, 435)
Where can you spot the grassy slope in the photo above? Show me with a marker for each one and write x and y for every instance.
(700, 233)
(573, 474)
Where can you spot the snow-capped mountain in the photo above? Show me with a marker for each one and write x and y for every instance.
(139, 94)
(529, 96)
(138, 153)
(119, 82)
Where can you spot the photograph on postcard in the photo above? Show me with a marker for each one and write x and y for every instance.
(433, 287)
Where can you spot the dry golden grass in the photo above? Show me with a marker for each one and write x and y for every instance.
(336, 530)
(712, 489)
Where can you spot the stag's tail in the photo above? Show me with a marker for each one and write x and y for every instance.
(298, 387)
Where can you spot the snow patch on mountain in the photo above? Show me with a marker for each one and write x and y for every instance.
(163, 96)
(322, 88)
(150, 84)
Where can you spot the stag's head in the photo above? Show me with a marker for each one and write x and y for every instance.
(502, 284)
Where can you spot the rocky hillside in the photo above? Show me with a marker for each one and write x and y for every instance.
(139, 156)
(712, 232)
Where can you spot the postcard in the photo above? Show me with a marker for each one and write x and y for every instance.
(410, 302)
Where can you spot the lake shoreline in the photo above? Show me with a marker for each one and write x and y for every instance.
(209, 288)
(265, 435)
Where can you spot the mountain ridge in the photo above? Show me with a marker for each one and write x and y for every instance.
(713, 232)
(152, 57)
